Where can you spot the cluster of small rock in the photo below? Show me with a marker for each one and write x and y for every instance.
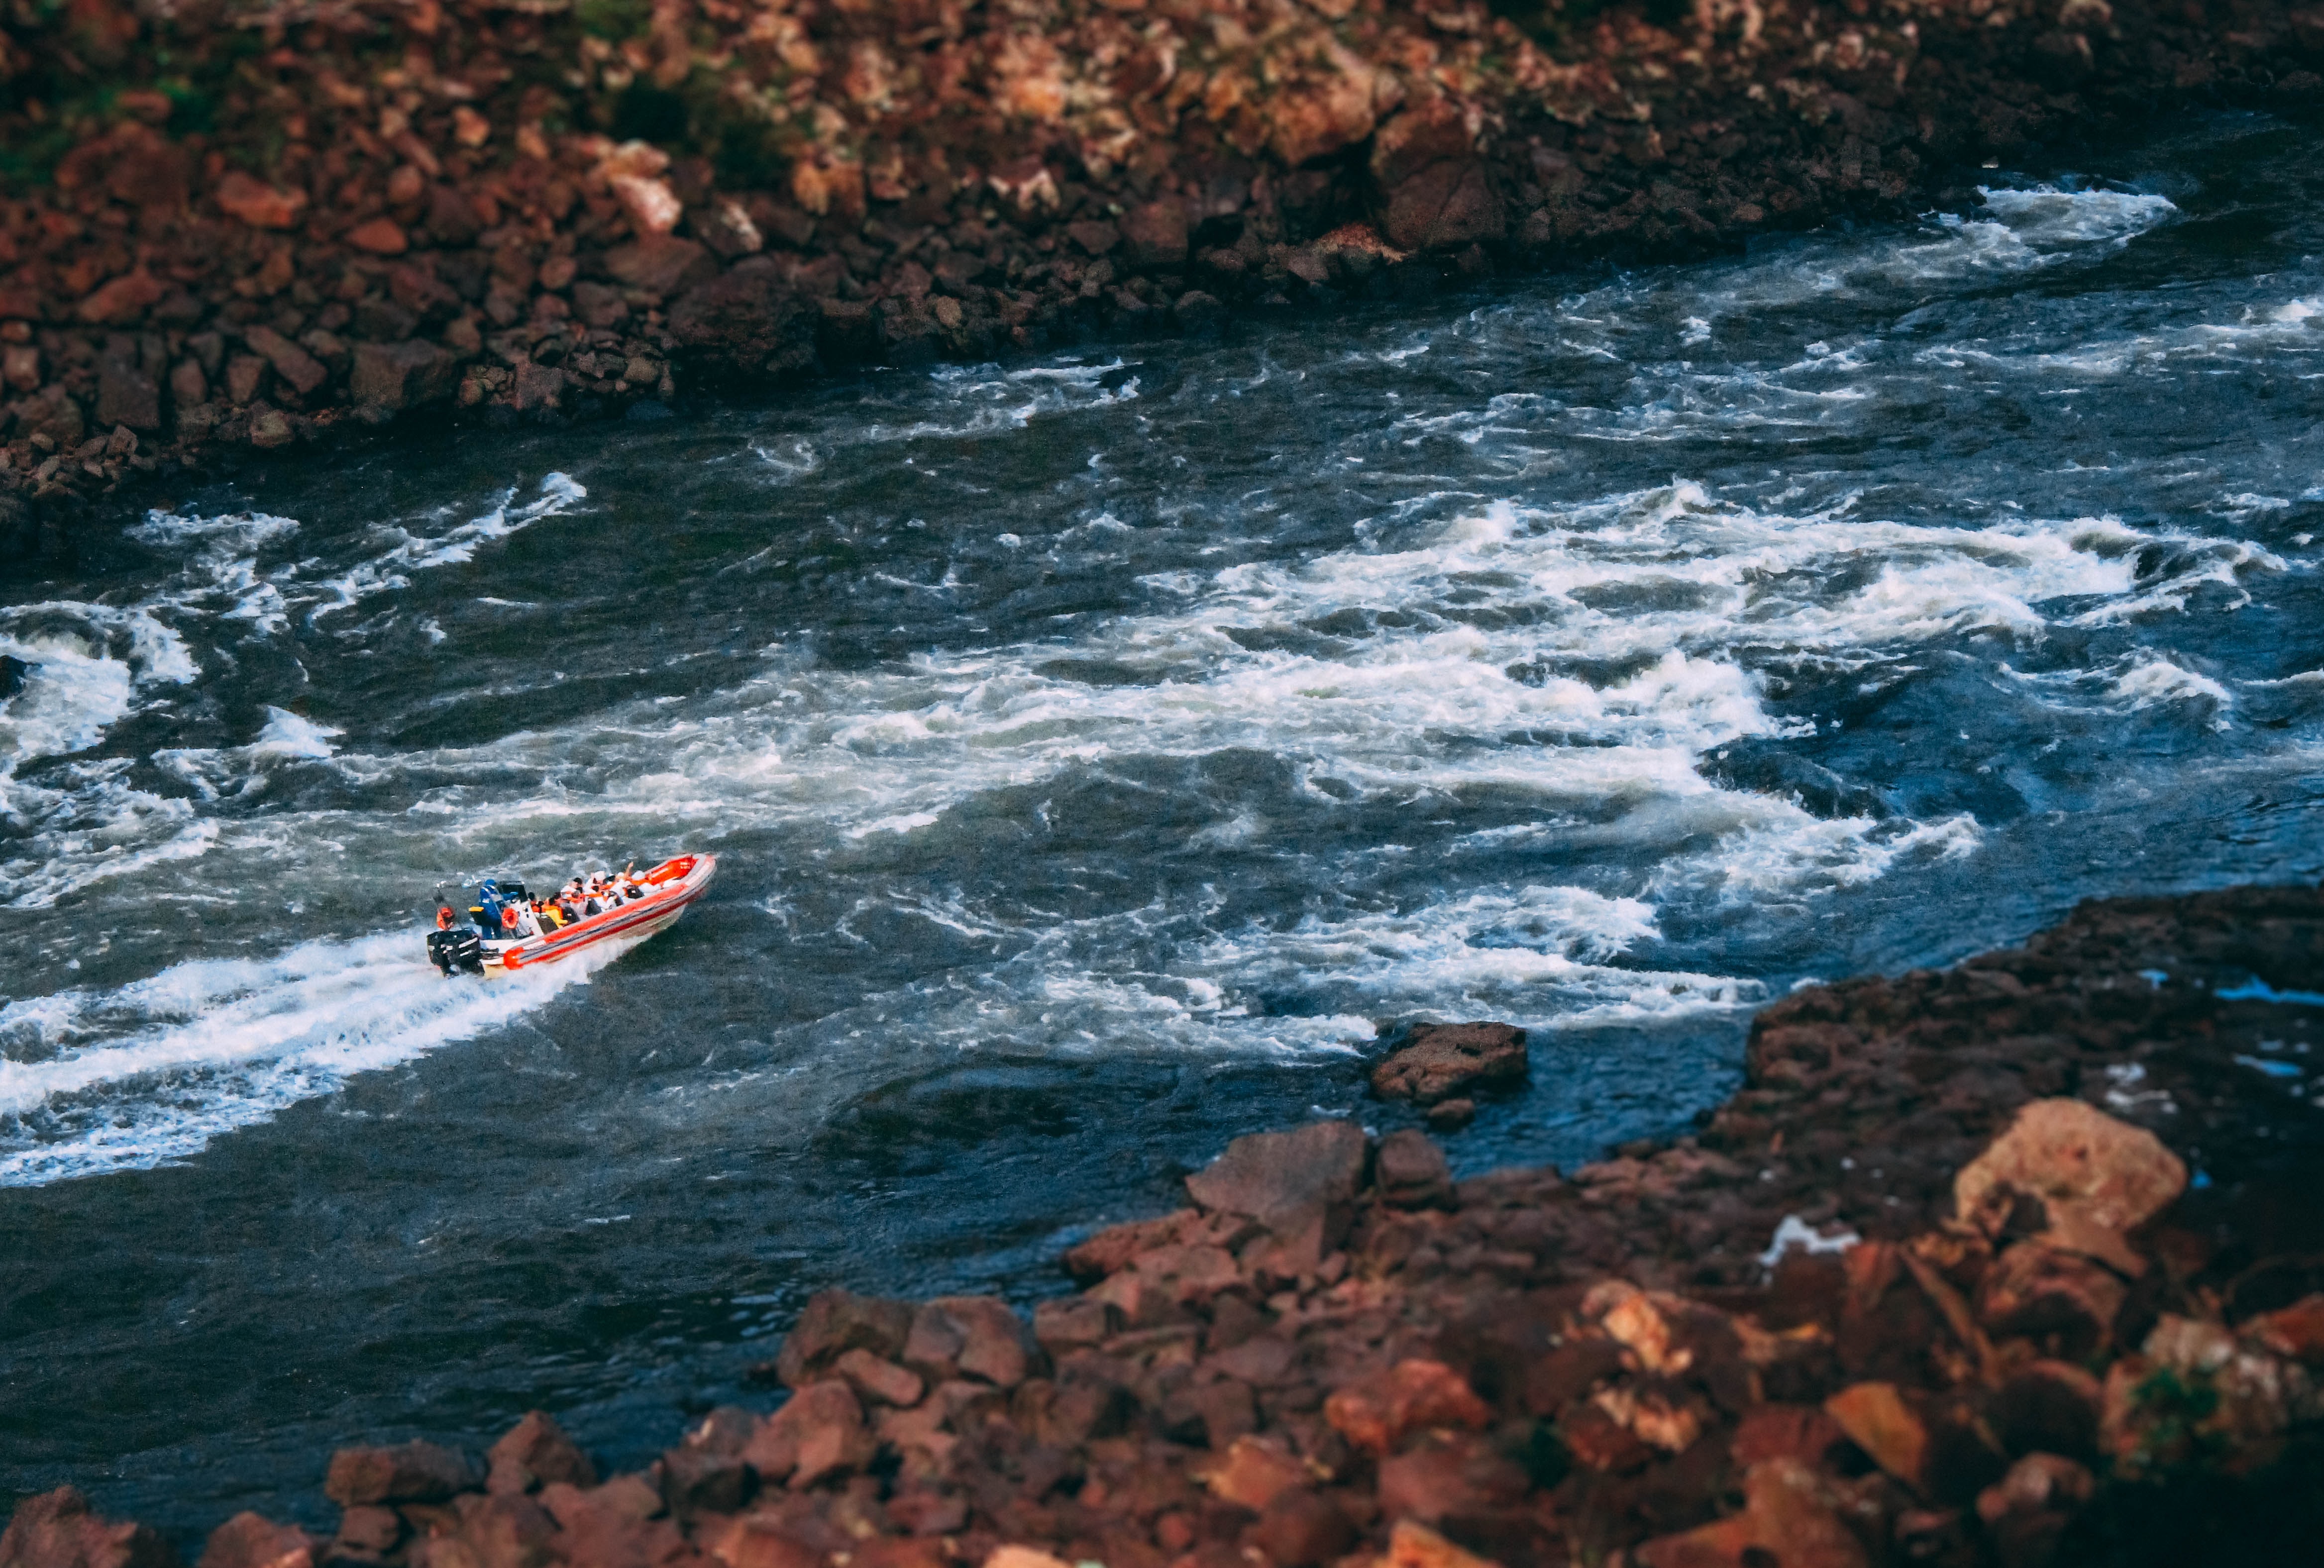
(1339, 1356)
(348, 210)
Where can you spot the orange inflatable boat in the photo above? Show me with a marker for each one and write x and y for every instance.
(662, 895)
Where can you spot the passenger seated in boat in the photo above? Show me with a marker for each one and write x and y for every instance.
(547, 915)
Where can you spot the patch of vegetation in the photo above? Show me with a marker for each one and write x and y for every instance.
(29, 158)
(613, 19)
(2177, 1408)
(748, 149)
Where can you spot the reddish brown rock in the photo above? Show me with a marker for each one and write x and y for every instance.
(979, 1337)
(1153, 236)
(879, 1381)
(124, 299)
(835, 1322)
(258, 204)
(621, 1524)
(1879, 1420)
(368, 1530)
(1300, 1529)
(2027, 1511)
(534, 1453)
(1376, 1414)
(246, 373)
(125, 394)
(250, 1540)
(696, 1481)
(290, 362)
(507, 1531)
(539, 387)
(271, 427)
(2071, 1154)
(660, 265)
(2064, 1302)
(1327, 108)
(1437, 1060)
(412, 1472)
(1301, 1186)
(1791, 1517)
(1254, 1472)
(2049, 1406)
(1075, 1324)
(56, 1530)
(1410, 1172)
(1434, 192)
(393, 376)
(1448, 1476)
(1800, 1432)
(2295, 1331)
(1411, 1544)
(818, 1434)
(382, 236)
(1452, 1115)
(750, 315)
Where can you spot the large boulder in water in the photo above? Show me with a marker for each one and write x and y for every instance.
(1441, 1060)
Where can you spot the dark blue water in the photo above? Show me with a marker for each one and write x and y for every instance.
(1099, 751)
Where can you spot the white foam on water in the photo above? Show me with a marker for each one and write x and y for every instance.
(2153, 680)
(1539, 952)
(2016, 231)
(1471, 690)
(93, 664)
(86, 667)
(287, 734)
(983, 399)
(407, 552)
(148, 1074)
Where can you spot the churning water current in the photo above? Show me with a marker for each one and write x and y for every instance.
(1099, 748)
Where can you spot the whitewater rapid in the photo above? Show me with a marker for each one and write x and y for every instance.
(222, 927)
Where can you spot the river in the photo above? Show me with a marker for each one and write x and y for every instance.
(1099, 749)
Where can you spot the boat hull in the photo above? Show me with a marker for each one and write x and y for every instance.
(673, 886)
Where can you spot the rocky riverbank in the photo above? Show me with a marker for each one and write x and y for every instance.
(2019, 1263)
(241, 225)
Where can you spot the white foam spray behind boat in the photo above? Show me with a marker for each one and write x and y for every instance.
(150, 1073)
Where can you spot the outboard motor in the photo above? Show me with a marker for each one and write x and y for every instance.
(457, 947)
